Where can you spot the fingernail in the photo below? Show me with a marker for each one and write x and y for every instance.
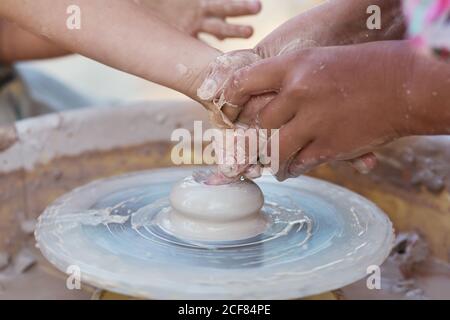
(300, 168)
(254, 5)
(296, 171)
(285, 173)
(246, 30)
(207, 90)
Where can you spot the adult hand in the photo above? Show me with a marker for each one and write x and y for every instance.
(17, 44)
(302, 32)
(297, 34)
(224, 114)
(332, 103)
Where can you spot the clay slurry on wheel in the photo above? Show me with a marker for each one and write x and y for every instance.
(319, 237)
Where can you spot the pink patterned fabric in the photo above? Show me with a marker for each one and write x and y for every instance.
(429, 25)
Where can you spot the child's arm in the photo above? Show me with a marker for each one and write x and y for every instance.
(122, 35)
(197, 16)
(16, 44)
(335, 22)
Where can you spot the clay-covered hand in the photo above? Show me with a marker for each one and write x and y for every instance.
(303, 31)
(210, 93)
(208, 16)
(297, 34)
(224, 114)
(332, 103)
(211, 96)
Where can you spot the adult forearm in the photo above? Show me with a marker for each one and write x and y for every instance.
(428, 96)
(335, 22)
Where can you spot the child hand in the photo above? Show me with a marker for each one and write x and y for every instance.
(209, 16)
(210, 93)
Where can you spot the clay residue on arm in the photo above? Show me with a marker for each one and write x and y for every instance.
(120, 34)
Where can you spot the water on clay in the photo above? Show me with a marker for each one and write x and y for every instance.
(321, 237)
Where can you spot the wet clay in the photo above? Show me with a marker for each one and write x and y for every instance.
(220, 71)
(215, 212)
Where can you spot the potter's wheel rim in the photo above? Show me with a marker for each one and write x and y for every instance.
(285, 288)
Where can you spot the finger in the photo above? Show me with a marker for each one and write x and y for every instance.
(253, 172)
(307, 159)
(277, 112)
(261, 77)
(250, 111)
(221, 29)
(231, 112)
(234, 8)
(365, 163)
(314, 155)
(292, 139)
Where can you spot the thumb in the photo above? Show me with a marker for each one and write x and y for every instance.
(261, 77)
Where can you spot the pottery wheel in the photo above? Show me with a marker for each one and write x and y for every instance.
(321, 237)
